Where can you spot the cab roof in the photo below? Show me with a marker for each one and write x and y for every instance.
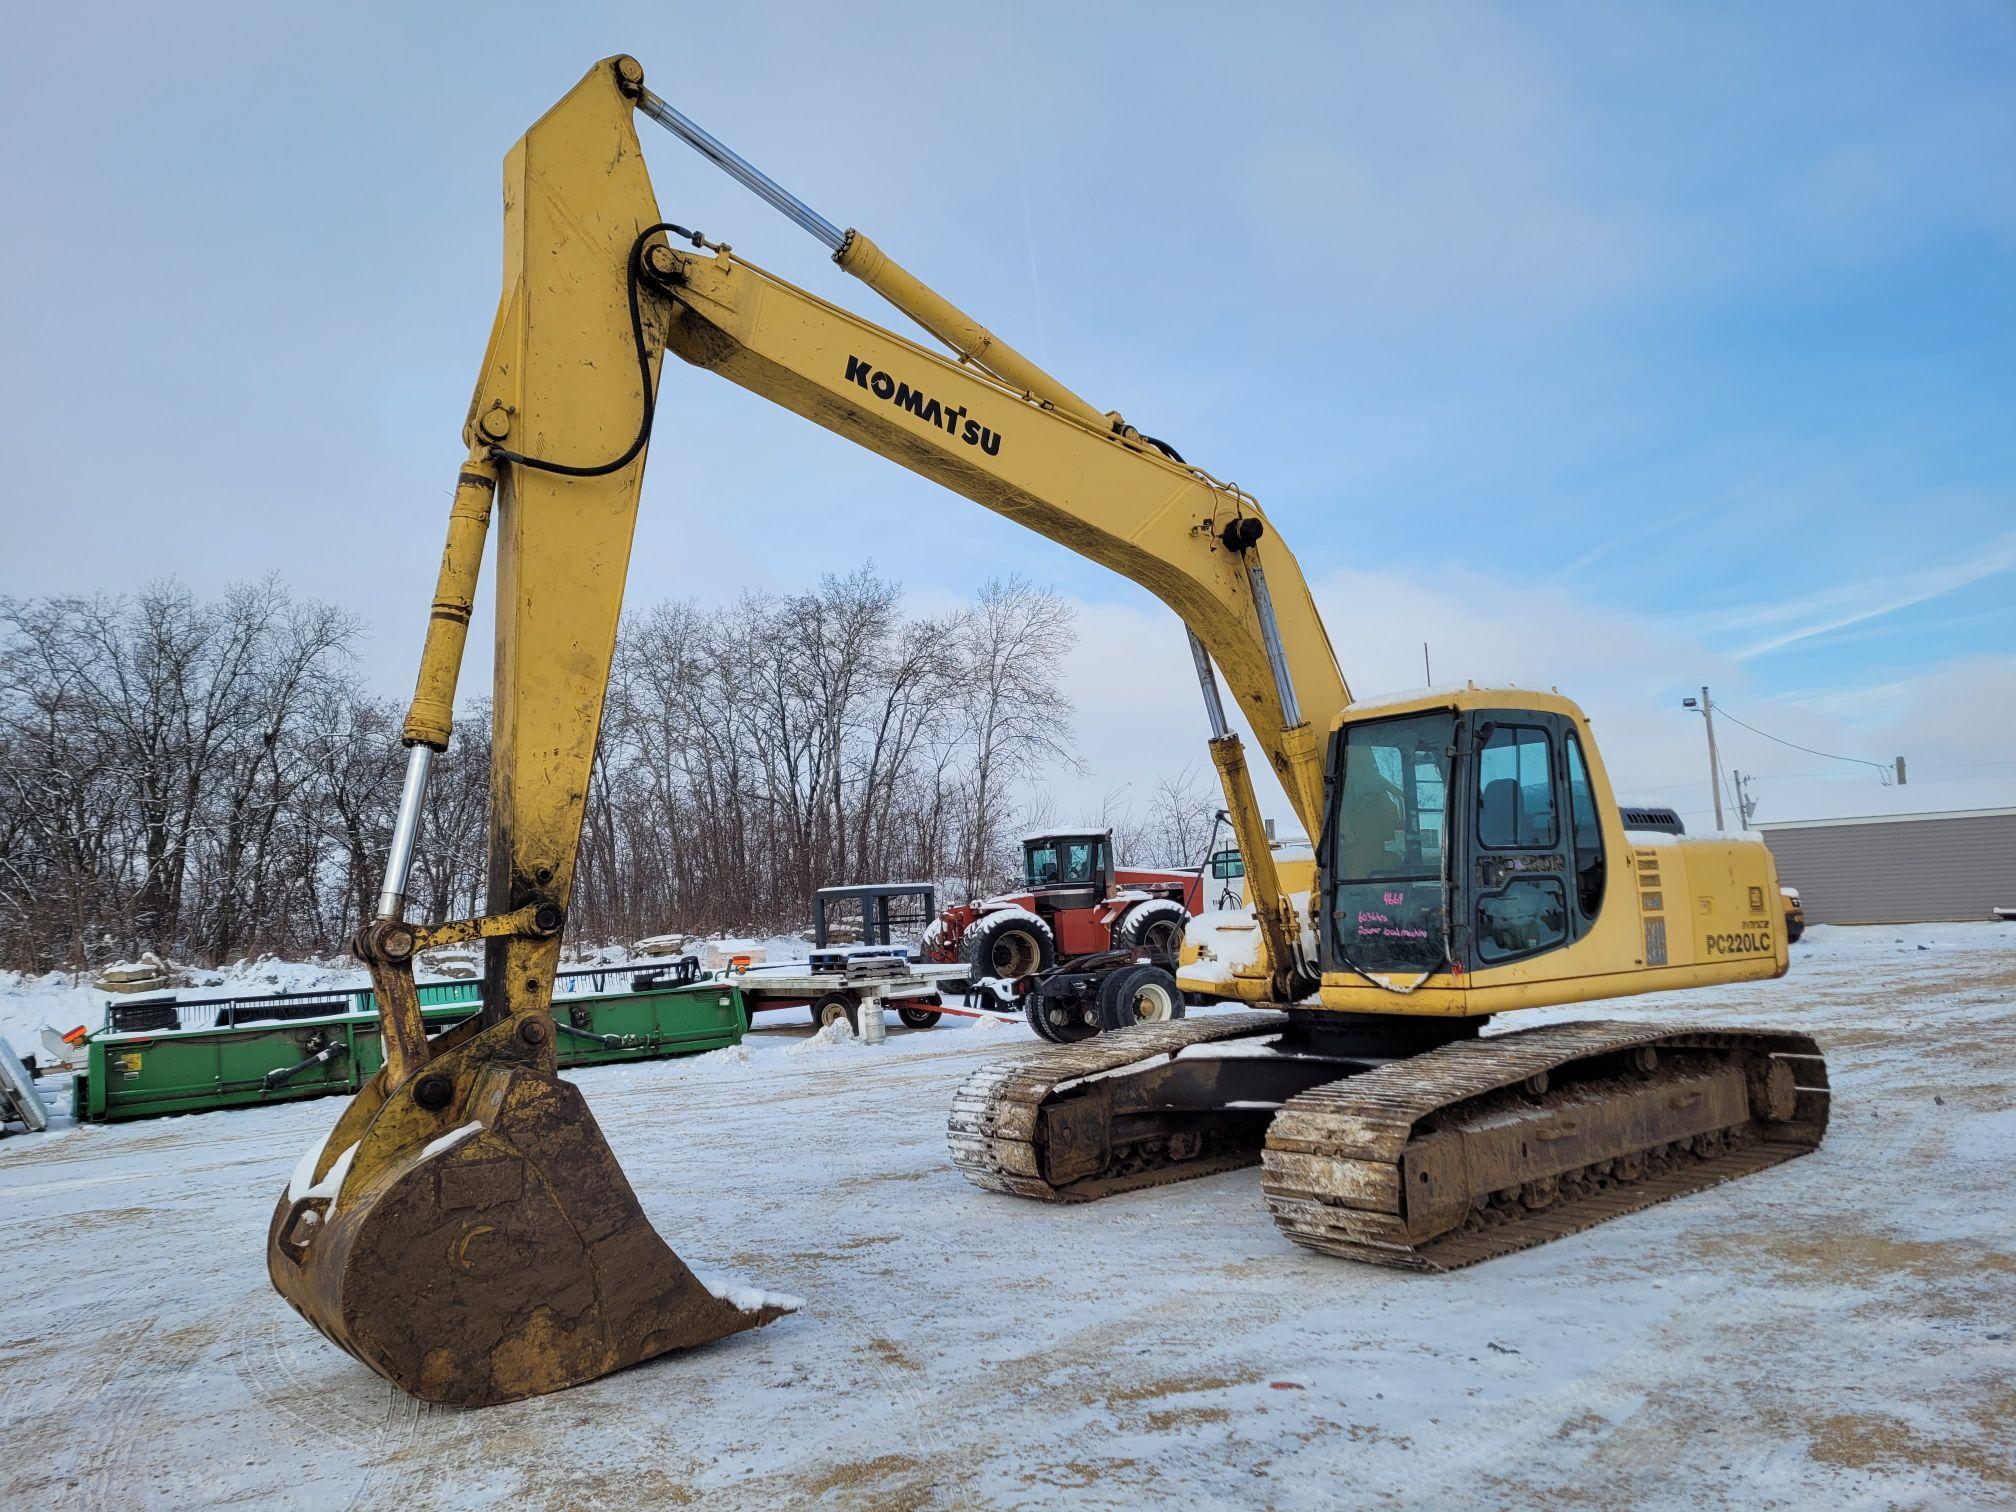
(1467, 695)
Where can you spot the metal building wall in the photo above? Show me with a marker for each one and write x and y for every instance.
(1899, 871)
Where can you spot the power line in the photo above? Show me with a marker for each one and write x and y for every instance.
(1881, 766)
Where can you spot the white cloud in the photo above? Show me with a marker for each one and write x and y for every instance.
(1870, 598)
(1139, 716)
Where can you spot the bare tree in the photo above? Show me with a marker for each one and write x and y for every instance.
(1008, 647)
(208, 778)
(1181, 818)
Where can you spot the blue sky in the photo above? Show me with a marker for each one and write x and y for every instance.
(1619, 348)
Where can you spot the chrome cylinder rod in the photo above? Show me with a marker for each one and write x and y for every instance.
(405, 832)
(1270, 632)
(1214, 706)
(739, 168)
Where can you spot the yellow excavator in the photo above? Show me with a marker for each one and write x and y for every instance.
(465, 1230)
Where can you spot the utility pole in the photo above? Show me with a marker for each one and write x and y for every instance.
(1745, 804)
(1707, 708)
(1428, 674)
(1900, 771)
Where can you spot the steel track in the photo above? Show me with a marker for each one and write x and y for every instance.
(1336, 1158)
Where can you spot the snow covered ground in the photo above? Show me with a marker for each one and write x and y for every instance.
(1838, 1331)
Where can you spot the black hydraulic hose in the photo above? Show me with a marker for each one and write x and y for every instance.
(606, 1041)
(285, 1074)
(633, 276)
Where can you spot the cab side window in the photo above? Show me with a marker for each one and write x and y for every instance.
(1522, 908)
(1587, 833)
(1084, 862)
(1515, 790)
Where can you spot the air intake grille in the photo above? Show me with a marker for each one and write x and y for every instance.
(1664, 819)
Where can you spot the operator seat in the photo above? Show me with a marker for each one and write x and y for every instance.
(1501, 820)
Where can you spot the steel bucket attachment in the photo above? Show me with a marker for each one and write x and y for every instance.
(469, 1235)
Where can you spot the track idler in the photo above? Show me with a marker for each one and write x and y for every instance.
(469, 1235)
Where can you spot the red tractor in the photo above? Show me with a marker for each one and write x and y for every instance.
(1059, 946)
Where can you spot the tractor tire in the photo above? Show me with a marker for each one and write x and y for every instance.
(834, 1006)
(1139, 995)
(920, 1013)
(1051, 1020)
(1009, 945)
(1155, 926)
(936, 948)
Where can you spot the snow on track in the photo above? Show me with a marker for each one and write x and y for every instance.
(1839, 1330)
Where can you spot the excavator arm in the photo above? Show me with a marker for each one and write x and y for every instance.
(596, 288)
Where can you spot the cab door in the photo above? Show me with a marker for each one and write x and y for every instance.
(1519, 837)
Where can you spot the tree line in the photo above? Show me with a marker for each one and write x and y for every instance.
(212, 778)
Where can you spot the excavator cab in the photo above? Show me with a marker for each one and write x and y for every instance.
(1474, 859)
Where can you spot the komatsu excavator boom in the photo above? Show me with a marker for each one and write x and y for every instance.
(465, 1230)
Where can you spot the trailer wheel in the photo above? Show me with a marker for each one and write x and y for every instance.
(1155, 926)
(1053, 1019)
(835, 1006)
(920, 1013)
(1139, 995)
(1009, 945)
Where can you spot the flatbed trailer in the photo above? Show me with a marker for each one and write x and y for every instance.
(238, 1058)
(844, 983)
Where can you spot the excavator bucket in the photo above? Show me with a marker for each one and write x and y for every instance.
(469, 1235)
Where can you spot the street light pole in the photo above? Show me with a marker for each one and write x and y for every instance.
(1714, 761)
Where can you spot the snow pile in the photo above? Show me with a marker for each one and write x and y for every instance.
(268, 974)
(838, 1035)
(737, 1054)
(29, 1002)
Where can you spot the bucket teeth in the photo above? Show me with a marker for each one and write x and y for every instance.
(489, 1248)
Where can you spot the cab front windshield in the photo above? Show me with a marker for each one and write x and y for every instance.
(1387, 900)
(1066, 863)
